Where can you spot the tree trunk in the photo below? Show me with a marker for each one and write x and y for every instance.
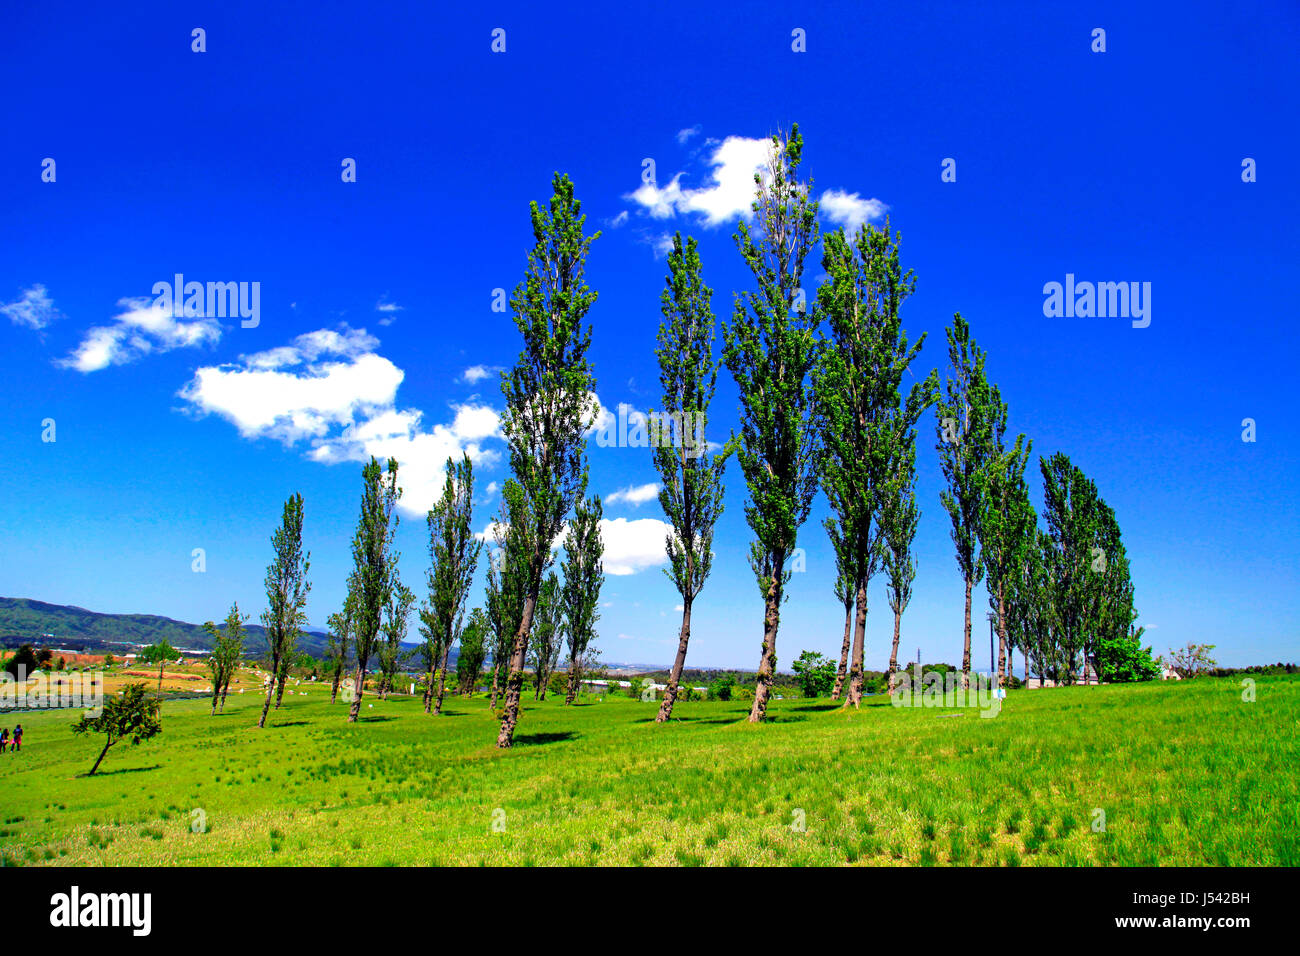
(160, 674)
(854, 696)
(279, 688)
(442, 677)
(102, 754)
(575, 675)
(1003, 671)
(683, 638)
(965, 654)
(496, 678)
(357, 692)
(893, 654)
(334, 684)
(771, 621)
(428, 686)
(270, 689)
(515, 678)
(844, 652)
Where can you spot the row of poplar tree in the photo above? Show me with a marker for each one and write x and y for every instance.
(822, 404)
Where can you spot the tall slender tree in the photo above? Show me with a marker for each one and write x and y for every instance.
(770, 349)
(584, 573)
(691, 480)
(506, 572)
(1002, 521)
(965, 448)
(864, 418)
(899, 517)
(547, 637)
(549, 402)
(374, 565)
(453, 557)
(227, 648)
(473, 651)
(845, 592)
(340, 630)
(287, 588)
(397, 614)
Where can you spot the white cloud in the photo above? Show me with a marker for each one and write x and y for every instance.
(331, 389)
(385, 306)
(35, 309)
(143, 327)
(632, 546)
(635, 495)
(475, 374)
(617, 220)
(684, 134)
(849, 209)
(728, 192)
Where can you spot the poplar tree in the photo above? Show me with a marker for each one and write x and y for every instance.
(453, 555)
(770, 349)
(865, 420)
(505, 581)
(397, 612)
(844, 592)
(1002, 518)
(374, 565)
(546, 637)
(691, 481)
(548, 398)
(287, 588)
(340, 630)
(584, 573)
(227, 648)
(964, 447)
(899, 517)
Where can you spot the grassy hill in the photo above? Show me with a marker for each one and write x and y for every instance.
(1185, 773)
(25, 620)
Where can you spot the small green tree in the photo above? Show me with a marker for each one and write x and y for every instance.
(397, 612)
(584, 574)
(23, 663)
(133, 714)
(814, 673)
(546, 639)
(473, 651)
(159, 653)
(227, 648)
(720, 688)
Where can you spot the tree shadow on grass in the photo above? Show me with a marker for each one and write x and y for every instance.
(368, 720)
(829, 705)
(289, 723)
(530, 740)
(111, 773)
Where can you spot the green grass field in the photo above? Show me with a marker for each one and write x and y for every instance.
(1187, 774)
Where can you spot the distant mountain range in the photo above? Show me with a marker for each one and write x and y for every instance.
(23, 620)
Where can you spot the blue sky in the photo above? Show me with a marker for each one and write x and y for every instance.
(176, 434)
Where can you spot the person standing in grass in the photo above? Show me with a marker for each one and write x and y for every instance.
(4, 739)
(18, 737)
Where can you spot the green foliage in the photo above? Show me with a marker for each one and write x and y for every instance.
(453, 558)
(548, 395)
(814, 674)
(473, 650)
(721, 687)
(546, 638)
(287, 588)
(227, 649)
(374, 562)
(23, 662)
(584, 573)
(131, 714)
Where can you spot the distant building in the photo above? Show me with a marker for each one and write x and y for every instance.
(1170, 674)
